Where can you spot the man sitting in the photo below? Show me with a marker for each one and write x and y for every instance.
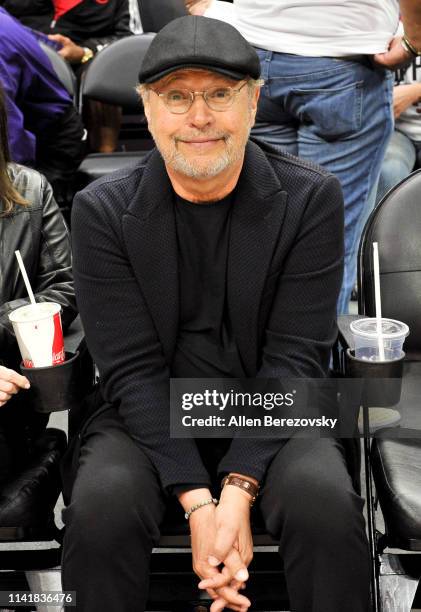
(215, 257)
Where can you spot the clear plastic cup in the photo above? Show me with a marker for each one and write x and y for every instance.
(39, 334)
(367, 341)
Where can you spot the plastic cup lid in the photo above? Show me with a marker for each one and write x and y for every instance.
(390, 328)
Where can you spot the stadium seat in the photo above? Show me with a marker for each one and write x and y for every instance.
(155, 14)
(27, 501)
(111, 78)
(393, 459)
(63, 70)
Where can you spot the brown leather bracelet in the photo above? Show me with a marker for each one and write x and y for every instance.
(243, 483)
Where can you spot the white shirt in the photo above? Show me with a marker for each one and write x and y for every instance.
(331, 28)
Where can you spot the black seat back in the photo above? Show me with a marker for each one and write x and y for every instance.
(62, 69)
(113, 74)
(155, 14)
(396, 225)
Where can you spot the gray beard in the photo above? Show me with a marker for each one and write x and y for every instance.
(183, 166)
(179, 163)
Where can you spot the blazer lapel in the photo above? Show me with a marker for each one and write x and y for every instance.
(257, 216)
(150, 233)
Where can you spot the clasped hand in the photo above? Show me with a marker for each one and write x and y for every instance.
(395, 57)
(222, 549)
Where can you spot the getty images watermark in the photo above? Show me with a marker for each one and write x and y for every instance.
(281, 408)
(213, 399)
(211, 408)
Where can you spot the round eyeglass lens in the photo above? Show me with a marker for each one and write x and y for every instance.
(219, 97)
(178, 100)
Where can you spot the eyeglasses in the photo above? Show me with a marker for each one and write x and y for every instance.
(179, 101)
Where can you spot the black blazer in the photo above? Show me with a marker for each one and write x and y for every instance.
(284, 275)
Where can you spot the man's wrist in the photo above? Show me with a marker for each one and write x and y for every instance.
(87, 55)
(245, 476)
(409, 47)
(202, 504)
(189, 498)
(232, 494)
(247, 485)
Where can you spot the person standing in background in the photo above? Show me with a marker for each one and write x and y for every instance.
(328, 93)
(35, 14)
(397, 53)
(85, 27)
(45, 130)
(82, 28)
(404, 148)
(82, 24)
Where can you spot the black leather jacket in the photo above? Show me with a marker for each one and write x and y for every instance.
(39, 232)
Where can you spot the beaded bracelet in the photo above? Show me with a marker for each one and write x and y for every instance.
(211, 500)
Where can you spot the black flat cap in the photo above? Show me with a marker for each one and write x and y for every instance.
(199, 42)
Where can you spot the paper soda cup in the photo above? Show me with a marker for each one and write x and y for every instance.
(39, 334)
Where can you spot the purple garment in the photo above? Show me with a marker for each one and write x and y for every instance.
(34, 95)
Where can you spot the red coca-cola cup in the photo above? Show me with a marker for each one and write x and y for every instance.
(39, 334)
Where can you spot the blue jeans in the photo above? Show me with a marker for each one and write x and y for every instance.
(337, 113)
(399, 161)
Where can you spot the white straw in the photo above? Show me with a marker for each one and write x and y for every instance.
(377, 299)
(25, 276)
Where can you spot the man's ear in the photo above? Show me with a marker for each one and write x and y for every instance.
(256, 96)
(143, 94)
(146, 108)
(253, 105)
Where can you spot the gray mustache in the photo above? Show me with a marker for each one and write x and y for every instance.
(191, 137)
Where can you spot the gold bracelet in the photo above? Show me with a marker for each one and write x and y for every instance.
(409, 47)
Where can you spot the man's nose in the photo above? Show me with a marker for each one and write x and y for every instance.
(199, 113)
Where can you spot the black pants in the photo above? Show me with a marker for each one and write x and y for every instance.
(117, 505)
(20, 426)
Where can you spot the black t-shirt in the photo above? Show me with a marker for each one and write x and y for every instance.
(206, 346)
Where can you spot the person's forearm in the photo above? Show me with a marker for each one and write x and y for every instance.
(191, 498)
(415, 89)
(411, 19)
